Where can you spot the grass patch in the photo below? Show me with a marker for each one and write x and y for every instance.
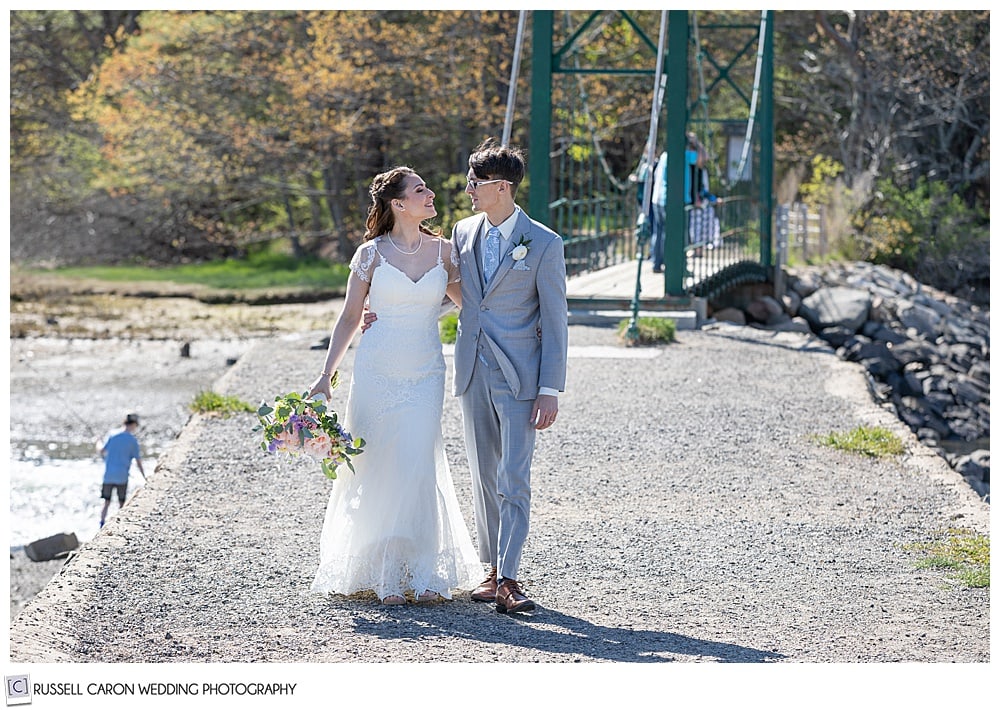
(876, 442)
(964, 553)
(264, 270)
(448, 328)
(650, 330)
(209, 402)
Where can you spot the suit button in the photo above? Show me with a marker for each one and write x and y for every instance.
(483, 308)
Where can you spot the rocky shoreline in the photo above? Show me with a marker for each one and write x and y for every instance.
(926, 353)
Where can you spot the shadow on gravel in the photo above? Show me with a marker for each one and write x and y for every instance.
(553, 632)
(778, 339)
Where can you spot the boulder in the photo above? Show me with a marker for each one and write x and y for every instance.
(51, 548)
(791, 325)
(912, 351)
(791, 301)
(766, 310)
(880, 331)
(836, 335)
(731, 315)
(804, 284)
(837, 306)
(921, 318)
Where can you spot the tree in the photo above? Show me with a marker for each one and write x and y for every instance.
(901, 100)
(890, 92)
(52, 52)
(184, 120)
(199, 133)
(393, 87)
(249, 125)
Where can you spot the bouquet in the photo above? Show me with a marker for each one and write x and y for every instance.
(297, 425)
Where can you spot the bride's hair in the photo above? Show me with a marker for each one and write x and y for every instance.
(385, 188)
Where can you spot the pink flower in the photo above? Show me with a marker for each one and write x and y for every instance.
(296, 426)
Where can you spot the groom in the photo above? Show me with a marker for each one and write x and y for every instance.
(510, 359)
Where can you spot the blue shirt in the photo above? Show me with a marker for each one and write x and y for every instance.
(660, 178)
(119, 450)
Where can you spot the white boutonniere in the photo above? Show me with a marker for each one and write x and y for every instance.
(518, 253)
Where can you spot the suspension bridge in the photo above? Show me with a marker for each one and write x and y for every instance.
(709, 77)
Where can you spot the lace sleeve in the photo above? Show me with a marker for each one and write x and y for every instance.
(362, 263)
(453, 264)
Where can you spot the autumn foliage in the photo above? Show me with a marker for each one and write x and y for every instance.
(198, 134)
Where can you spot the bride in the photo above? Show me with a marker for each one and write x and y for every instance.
(394, 525)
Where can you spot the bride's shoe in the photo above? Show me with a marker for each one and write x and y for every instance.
(394, 600)
(429, 596)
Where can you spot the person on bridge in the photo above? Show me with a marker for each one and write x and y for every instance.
(694, 161)
(658, 208)
(644, 175)
(704, 230)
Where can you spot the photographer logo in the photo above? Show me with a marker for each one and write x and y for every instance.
(18, 690)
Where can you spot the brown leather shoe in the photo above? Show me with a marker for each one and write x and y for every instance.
(510, 598)
(487, 590)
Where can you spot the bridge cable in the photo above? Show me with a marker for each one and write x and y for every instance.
(703, 95)
(753, 98)
(620, 185)
(514, 70)
(642, 226)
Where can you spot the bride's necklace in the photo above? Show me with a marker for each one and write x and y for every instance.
(419, 244)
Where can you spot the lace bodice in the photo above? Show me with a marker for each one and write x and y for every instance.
(379, 251)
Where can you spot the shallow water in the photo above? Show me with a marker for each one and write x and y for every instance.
(67, 394)
(52, 493)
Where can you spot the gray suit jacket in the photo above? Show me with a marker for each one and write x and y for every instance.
(505, 315)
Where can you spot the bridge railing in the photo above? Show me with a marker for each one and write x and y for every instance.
(597, 231)
(719, 234)
(722, 243)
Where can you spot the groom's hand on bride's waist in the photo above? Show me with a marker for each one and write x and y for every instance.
(368, 320)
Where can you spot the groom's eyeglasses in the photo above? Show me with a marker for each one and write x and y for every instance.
(474, 184)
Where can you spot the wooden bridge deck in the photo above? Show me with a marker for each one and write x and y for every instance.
(607, 296)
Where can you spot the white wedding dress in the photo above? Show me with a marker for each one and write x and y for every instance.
(394, 525)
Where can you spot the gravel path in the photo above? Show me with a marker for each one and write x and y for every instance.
(681, 512)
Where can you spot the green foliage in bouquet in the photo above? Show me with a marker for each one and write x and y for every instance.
(297, 425)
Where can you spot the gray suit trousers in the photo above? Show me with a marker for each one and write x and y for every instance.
(500, 440)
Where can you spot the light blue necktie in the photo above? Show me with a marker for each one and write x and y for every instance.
(491, 253)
